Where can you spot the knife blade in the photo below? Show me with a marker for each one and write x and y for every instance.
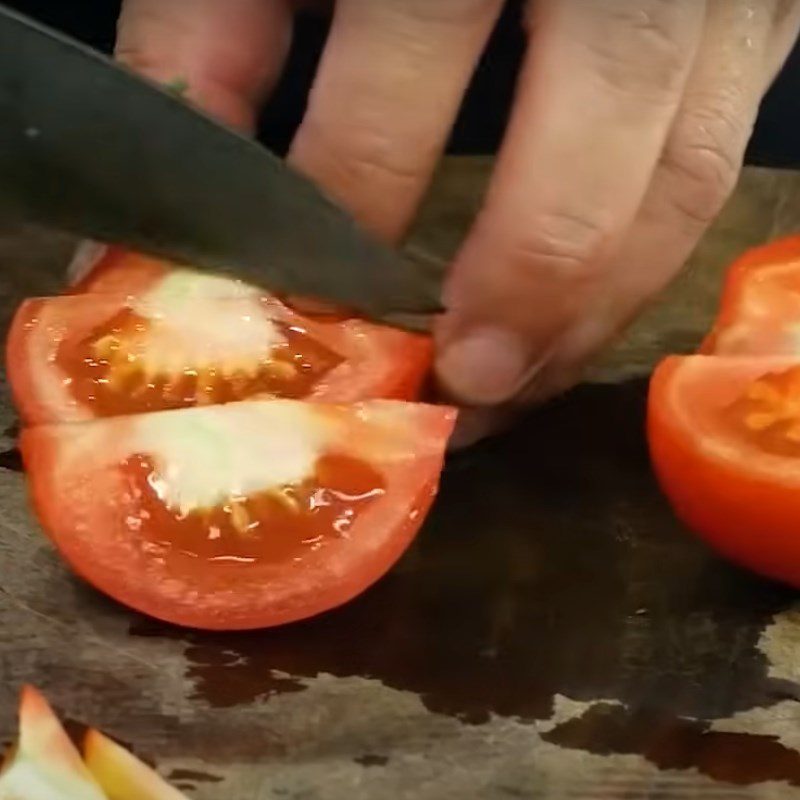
(90, 148)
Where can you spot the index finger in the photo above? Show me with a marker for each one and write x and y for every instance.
(229, 53)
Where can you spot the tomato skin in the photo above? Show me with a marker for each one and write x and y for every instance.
(38, 390)
(84, 512)
(747, 514)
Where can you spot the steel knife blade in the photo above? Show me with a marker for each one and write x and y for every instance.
(90, 148)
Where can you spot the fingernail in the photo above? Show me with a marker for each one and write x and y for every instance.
(484, 367)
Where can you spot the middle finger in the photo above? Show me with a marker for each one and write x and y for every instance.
(385, 98)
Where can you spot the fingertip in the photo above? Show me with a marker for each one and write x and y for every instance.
(485, 366)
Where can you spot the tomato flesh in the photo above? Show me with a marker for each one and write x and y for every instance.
(109, 370)
(382, 362)
(280, 525)
(185, 339)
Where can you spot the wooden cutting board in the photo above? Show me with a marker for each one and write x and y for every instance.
(555, 632)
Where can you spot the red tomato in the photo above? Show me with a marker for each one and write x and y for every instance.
(760, 307)
(239, 516)
(183, 339)
(725, 439)
(724, 426)
(114, 270)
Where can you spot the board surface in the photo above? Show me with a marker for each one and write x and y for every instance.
(555, 633)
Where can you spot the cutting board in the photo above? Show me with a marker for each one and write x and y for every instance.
(554, 633)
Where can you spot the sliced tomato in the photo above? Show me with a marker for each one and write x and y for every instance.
(44, 764)
(724, 426)
(184, 342)
(725, 438)
(238, 516)
(115, 270)
(760, 305)
(121, 774)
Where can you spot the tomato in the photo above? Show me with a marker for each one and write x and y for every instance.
(724, 425)
(208, 454)
(760, 306)
(44, 764)
(191, 339)
(238, 516)
(115, 270)
(122, 775)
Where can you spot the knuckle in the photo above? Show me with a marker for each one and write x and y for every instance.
(446, 12)
(563, 243)
(704, 154)
(368, 156)
(373, 160)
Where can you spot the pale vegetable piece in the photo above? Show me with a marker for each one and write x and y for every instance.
(44, 764)
(121, 774)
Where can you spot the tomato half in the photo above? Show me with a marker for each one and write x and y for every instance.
(760, 304)
(238, 516)
(724, 426)
(188, 339)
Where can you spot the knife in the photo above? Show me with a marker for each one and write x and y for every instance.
(92, 149)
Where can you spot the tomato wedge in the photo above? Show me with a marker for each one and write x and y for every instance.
(724, 425)
(186, 342)
(44, 764)
(211, 456)
(238, 516)
(387, 362)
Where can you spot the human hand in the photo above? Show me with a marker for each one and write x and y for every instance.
(626, 138)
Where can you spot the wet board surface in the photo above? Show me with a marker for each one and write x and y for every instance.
(555, 633)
